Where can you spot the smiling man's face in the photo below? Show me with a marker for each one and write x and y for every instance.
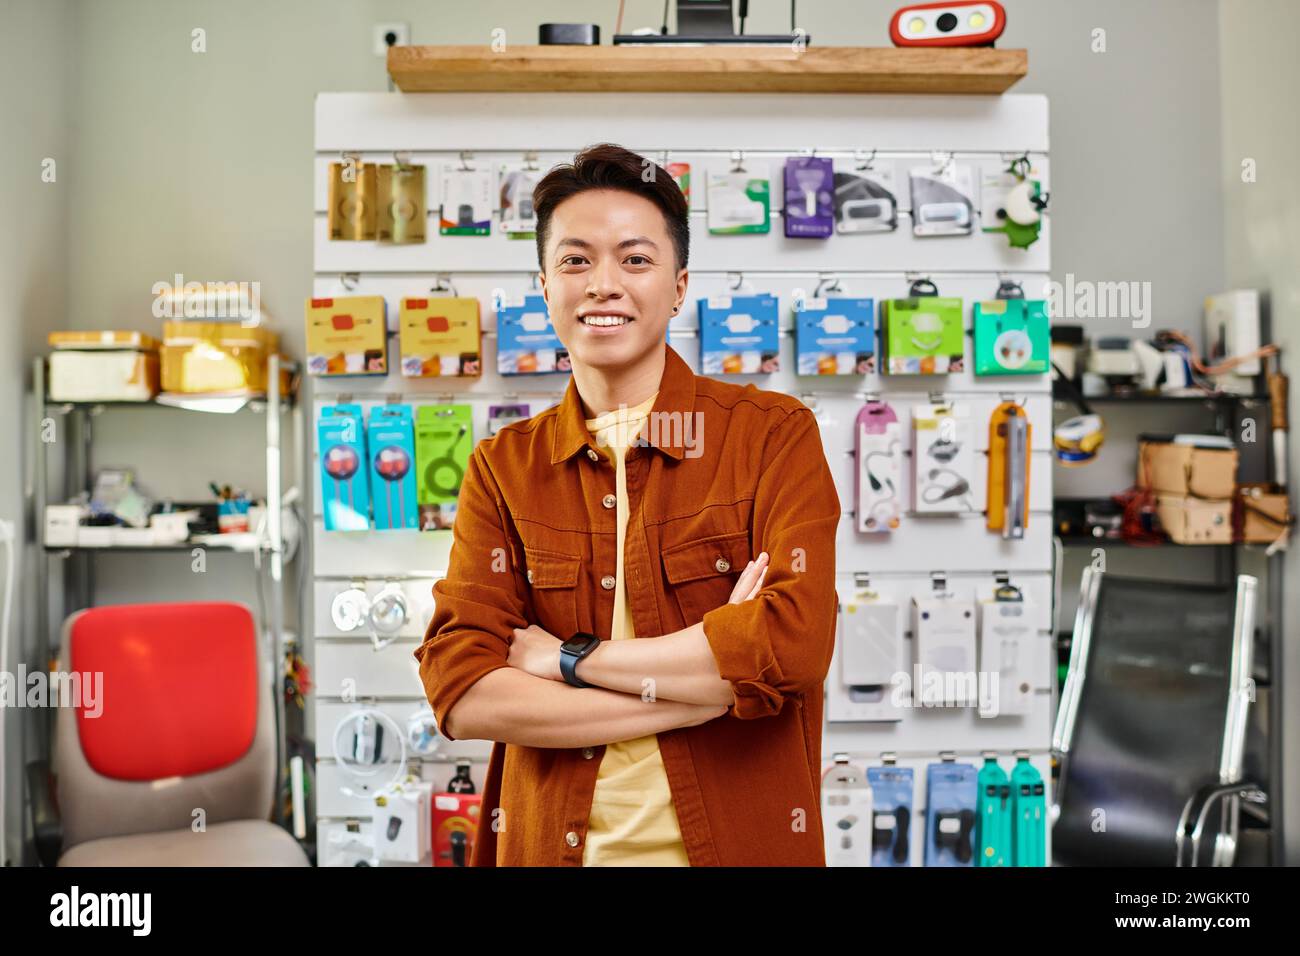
(611, 278)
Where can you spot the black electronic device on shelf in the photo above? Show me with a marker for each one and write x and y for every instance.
(711, 22)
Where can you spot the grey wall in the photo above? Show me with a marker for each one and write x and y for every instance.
(36, 91)
(1260, 80)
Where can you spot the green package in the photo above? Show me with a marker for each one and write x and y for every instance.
(444, 438)
(1012, 337)
(922, 335)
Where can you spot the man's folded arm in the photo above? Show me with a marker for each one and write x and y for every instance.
(477, 606)
(779, 644)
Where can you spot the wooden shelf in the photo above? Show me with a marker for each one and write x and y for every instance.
(693, 69)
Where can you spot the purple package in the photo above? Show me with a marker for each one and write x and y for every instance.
(809, 198)
(499, 416)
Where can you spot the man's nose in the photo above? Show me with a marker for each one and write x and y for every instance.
(604, 281)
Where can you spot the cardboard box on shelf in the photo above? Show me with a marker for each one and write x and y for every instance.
(1265, 515)
(1190, 520)
(201, 357)
(1182, 469)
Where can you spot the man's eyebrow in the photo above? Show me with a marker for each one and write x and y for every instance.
(584, 244)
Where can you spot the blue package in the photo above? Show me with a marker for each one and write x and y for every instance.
(738, 335)
(835, 336)
(344, 476)
(391, 445)
(891, 815)
(951, 796)
(809, 198)
(526, 339)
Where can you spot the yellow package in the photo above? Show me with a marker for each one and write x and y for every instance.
(347, 336)
(441, 336)
(204, 357)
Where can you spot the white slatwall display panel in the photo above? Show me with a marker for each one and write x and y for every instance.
(706, 131)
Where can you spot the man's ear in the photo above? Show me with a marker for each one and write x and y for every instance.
(541, 281)
(683, 278)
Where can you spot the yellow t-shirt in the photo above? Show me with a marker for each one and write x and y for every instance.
(633, 821)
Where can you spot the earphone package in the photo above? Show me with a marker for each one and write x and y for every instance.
(390, 437)
(444, 438)
(943, 459)
(891, 815)
(1011, 337)
(951, 795)
(835, 336)
(879, 454)
(922, 335)
(809, 211)
(738, 334)
(344, 478)
(739, 201)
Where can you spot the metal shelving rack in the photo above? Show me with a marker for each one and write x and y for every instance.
(1222, 405)
(78, 474)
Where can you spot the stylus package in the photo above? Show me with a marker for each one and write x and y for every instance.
(1011, 337)
(1029, 812)
(444, 438)
(345, 477)
(865, 199)
(1007, 639)
(391, 445)
(347, 335)
(950, 800)
(466, 201)
(809, 211)
(526, 339)
(440, 336)
(943, 200)
(891, 815)
(943, 632)
(922, 335)
(943, 459)
(739, 201)
(993, 815)
(870, 667)
(738, 334)
(834, 336)
(846, 815)
(879, 472)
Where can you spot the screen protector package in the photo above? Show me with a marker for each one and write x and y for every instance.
(943, 200)
(809, 198)
(739, 202)
(865, 199)
(738, 334)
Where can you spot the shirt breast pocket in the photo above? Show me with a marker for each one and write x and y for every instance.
(553, 580)
(701, 574)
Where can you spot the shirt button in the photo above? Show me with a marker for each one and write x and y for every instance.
(591, 453)
(723, 565)
(530, 575)
(571, 838)
(609, 501)
(607, 582)
(588, 753)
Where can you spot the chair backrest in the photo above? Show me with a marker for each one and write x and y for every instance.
(174, 717)
(1154, 707)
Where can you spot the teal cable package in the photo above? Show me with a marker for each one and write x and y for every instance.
(993, 818)
(1029, 807)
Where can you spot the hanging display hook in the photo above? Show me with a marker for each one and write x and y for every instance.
(349, 280)
(864, 162)
(444, 284)
(737, 161)
(465, 157)
(826, 283)
(740, 281)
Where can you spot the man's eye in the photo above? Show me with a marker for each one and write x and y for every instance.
(643, 260)
(572, 261)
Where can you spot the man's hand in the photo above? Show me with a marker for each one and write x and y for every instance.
(750, 581)
(535, 651)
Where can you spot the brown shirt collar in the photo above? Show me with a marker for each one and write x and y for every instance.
(676, 398)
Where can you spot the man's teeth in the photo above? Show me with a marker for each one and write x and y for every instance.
(605, 319)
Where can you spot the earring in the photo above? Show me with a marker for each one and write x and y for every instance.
(674, 308)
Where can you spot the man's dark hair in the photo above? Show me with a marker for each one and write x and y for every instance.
(607, 166)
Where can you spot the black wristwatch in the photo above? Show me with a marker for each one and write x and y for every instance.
(574, 650)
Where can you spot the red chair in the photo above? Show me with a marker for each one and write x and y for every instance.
(168, 756)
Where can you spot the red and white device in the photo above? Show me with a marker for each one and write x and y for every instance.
(959, 23)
